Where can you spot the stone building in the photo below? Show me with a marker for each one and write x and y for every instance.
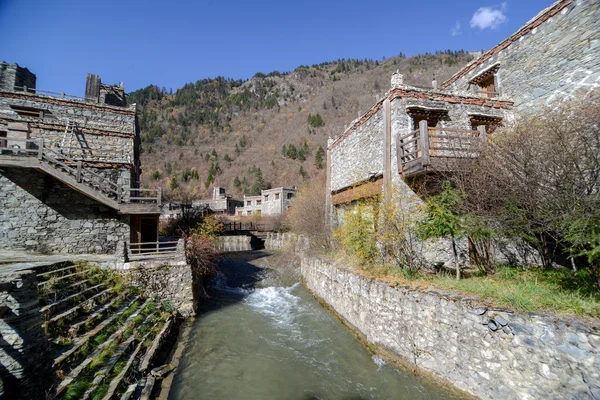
(220, 203)
(411, 133)
(70, 169)
(270, 203)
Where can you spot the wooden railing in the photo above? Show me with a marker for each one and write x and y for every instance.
(151, 249)
(81, 173)
(239, 226)
(423, 144)
(62, 95)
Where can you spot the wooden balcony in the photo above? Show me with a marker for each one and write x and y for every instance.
(434, 149)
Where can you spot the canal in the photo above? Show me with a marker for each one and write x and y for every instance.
(262, 336)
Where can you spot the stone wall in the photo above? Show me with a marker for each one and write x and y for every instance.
(290, 241)
(41, 214)
(168, 281)
(555, 57)
(21, 337)
(12, 75)
(488, 352)
(359, 155)
(235, 243)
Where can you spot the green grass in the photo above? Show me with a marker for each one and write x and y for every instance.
(76, 389)
(533, 290)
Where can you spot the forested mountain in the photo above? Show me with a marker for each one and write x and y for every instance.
(270, 130)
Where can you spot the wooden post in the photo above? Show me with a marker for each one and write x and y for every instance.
(387, 150)
(78, 176)
(41, 148)
(424, 137)
(159, 197)
(482, 133)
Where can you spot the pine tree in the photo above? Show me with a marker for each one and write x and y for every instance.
(259, 183)
(173, 185)
(236, 182)
(319, 157)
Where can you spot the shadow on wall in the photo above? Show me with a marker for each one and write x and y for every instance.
(25, 363)
(66, 201)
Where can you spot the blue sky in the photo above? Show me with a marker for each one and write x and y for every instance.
(169, 43)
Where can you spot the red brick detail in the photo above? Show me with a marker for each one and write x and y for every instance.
(507, 42)
(424, 95)
(67, 102)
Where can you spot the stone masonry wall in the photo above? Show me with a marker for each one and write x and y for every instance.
(169, 281)
(359, 155)
(41, 214)
(555, 60)
(490, 353)
(21, 337)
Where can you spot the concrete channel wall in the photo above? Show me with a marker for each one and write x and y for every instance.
(488, 352)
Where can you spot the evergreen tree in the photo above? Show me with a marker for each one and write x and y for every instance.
(319, 157)
(259, 183)
(173, 185)
(236, 182)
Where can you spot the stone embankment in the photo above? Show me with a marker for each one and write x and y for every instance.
(81, 331)
(488, 352)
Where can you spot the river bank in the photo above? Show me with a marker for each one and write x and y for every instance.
(262, 335)
(488, 352)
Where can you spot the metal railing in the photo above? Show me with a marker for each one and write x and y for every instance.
(81, 173)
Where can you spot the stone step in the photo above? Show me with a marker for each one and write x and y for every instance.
(114, 384)
(74, 329)
(101, 374)
(55, 271)
(58, 305)
(129, 392)
(114, 337)
(62, 277)
(147, 359)
(82, 340)
(74, 310)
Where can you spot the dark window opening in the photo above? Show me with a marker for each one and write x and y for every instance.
(28, 112)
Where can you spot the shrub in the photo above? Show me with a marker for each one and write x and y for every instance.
(357, 235)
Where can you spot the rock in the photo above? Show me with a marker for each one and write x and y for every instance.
(499, 319)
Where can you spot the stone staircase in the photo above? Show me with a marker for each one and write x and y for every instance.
(104, 335)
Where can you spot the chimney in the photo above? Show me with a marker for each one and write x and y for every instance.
(397, 79)
(434, 83)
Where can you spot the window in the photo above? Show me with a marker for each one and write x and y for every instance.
(258, 202)
(258, 213)
(249, 212)
(276, 196)
(488, 86)
(28, 112)
(239, 212)
(486, 81)
(266, 197)
(249, 203)
(290, 196)
(3, 142)
(490, 122)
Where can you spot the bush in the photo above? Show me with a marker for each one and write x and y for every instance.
(357, 235)
(306, 215)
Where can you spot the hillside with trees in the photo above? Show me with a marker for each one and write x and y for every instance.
(270, 130)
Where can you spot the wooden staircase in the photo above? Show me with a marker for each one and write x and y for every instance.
(35, 154)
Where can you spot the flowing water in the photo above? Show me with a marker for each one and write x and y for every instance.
(279, 343)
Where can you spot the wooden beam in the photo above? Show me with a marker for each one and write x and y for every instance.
(360, 191)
